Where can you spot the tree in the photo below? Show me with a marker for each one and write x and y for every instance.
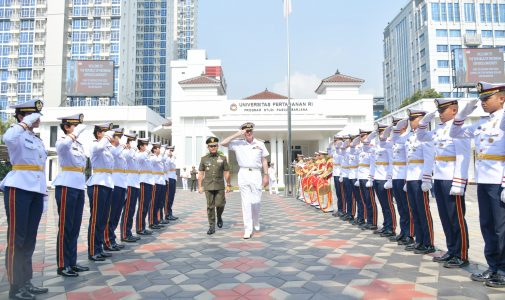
(385, 112)
(4, 125)
(418, 95)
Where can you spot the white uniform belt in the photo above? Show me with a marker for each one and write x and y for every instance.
(250, 169)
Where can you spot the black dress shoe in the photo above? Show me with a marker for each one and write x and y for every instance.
(387, 233)
(21, 294)
(406, 241)
(443, 258)
(96, 257)
(498, 281)
(425, 250)
(211, 230)
(129, 239)
(413, 247)
(396, 238)
(379, 231)
(34, 289)
(484, 276)
(120, 246)
(371, 227)
(111, 248)
(154, 226)
(79, 268)
(164, 221)
(138, 238)
(105, 254)
(145, 232)
(220, 223)
(67, 272)
(456, 262)
(172, 218)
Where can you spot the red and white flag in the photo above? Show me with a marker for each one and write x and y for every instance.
(287, 7)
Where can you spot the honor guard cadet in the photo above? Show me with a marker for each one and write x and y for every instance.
(119, 192)
(70, 185)
(172, 182)
(452, 159)
(24, 188)
(214, 179)
(100, 186)
(382, 174)
(146, 185)
(158, 201)
(353, 178)
(489, 175)
(403, 202)
(345, 182)
(366, 159)
(420, 157)
(251, 157)
(337, 162)
(133, 190)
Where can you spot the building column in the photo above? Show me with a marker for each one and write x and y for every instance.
(281, 169)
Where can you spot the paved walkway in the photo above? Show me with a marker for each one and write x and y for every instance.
(300, 253)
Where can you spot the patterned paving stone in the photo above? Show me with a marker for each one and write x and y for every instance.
(300, 253)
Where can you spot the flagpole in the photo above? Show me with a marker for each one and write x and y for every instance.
(290, 159)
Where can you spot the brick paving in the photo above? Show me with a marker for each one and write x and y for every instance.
(300, 253)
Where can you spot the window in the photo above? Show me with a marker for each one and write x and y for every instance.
(442, 48)
(53, 136)
(455, 47)
(423, 68)
(422, 52)
(443, 79)
(441, 33)
(485, 12)
(424, 83)
(443, 63)
(446, 94)
(455, 33)
(469, 12)
(487, 33)
(502, 13)
(499, 33)
(471, 32)
(435, 12)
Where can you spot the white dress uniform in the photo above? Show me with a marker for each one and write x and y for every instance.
(249, 158)
(339, 205)
(172, 186)
(490, 177)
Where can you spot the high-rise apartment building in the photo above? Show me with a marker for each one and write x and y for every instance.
(39, 37)
(185, 30)
(418, 44)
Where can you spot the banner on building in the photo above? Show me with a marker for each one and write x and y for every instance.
(90, 78)
(270, 107)
(472, 65)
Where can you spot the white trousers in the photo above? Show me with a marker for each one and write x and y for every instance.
(249, 183)
(185, 184)
(272, 186)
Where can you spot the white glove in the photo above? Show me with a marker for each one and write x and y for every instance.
(402, 124)
(109, 134)
(388, 185)
(457, 190)
(405, 188)
(149, 147)
(371, 136)
(355, 142)
(426, 186)
(123, 140)
(467, 110)
(78, 130)
(356, 183)
(369, 183)
(31, 118)
(427, 119)
(502, 196)
(341, 179)
(387, 132)
(133, 144)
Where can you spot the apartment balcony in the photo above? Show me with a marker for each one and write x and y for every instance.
(12, 93)
(39, 42)
(39, 53)
(473, 40)
(12, 79)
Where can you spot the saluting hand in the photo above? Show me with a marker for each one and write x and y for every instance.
(467, 110)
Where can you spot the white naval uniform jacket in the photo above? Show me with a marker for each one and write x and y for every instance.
(171, 166)
(132, 177)
(353, 163)
(159, 167)
(489, 143)
(70, 154)
(366, 158)
(249, 155)
(101, 158)
(420, 156)
(337, 162)
(399, 155)
(452, 156)
(344, 163)
(25, 149)
(144, 165)
(119, 176)
(382, 169)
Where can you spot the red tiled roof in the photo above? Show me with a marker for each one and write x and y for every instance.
(342, 78)
(200, 80)
(265, 95)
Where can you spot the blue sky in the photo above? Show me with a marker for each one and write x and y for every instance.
(249, 36)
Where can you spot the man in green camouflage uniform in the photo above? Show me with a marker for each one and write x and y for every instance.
(213, 171)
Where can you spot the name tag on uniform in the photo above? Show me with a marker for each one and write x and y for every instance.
(220, 160)
(29, 141)
(75, 148)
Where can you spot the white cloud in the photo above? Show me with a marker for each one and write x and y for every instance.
(302, 85)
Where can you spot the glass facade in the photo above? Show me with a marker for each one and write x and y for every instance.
(186, 27)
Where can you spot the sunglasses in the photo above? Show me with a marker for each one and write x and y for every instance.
(249, 130)
(212, 146)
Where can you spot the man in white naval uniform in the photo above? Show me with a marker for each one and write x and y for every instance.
(251, 157)
(172, 182)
